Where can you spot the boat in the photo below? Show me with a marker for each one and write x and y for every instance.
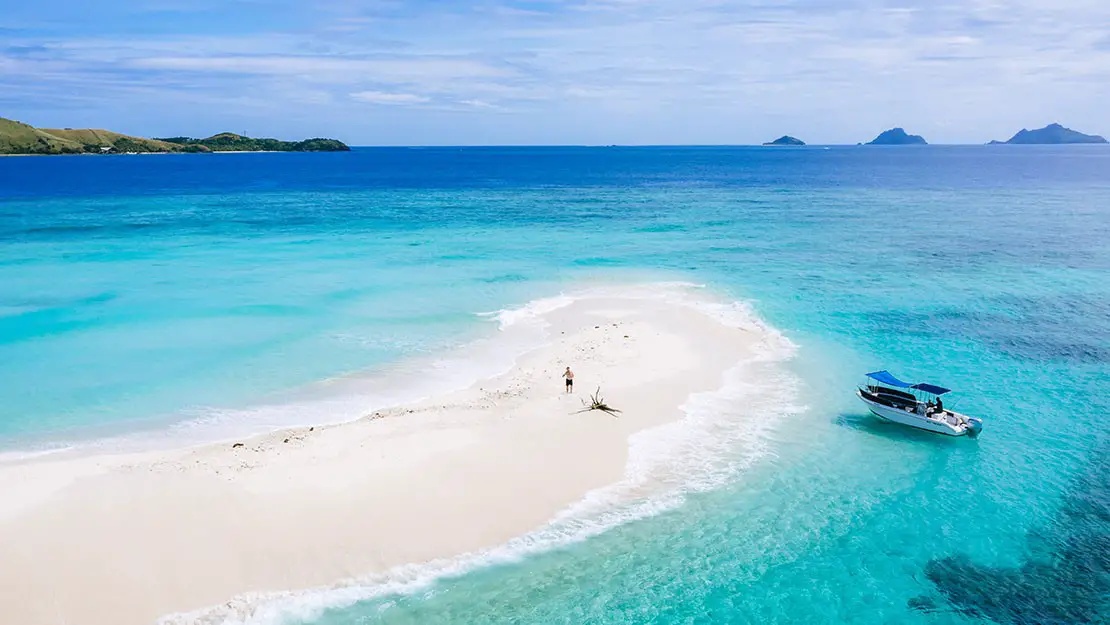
(916, 405)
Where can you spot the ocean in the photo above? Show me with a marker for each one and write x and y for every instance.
(169, 299)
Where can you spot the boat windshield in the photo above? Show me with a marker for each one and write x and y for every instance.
(891, 392)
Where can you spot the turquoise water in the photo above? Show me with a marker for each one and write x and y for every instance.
(192, 296)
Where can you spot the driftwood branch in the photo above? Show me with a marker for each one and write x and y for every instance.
(597, 402)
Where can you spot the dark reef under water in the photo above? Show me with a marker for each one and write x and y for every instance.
(1069, 584)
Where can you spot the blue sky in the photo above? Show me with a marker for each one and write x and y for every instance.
(387, 72)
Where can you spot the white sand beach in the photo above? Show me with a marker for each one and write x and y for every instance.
(128, 538)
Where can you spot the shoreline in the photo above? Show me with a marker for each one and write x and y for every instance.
(208, 152)
(335, 400)
(132, 538)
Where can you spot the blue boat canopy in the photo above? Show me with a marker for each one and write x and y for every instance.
(886, 378)
(930, 388)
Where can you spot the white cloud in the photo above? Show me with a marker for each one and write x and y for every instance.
(383, 97)
(413, 68)
(481, 104)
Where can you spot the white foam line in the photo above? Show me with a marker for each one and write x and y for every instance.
(30, 454)
(366, 393)
(722, 433)
(535, 310)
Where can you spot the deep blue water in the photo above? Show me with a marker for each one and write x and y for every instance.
(139, 292)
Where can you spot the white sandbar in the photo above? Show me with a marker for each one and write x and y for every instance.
(126, 539)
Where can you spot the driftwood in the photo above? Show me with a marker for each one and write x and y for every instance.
(597, 402)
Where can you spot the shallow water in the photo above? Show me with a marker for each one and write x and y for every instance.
(189, 296)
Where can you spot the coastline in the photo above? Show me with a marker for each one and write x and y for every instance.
(163, 153)
(131, 538)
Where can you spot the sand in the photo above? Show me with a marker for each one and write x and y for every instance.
(128, 538)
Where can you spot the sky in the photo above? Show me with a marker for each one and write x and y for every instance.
(594, 72)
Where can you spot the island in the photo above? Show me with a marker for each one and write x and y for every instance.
(231, 142)
(19, 138)
(898, 136)
(786, 140)
(1052, 134)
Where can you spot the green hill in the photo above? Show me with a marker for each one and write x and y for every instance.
(19, 138)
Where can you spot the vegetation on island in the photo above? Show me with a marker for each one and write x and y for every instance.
(231, 142)
(19, 138)
(898, 136)
(1052, 134)
(786, 140)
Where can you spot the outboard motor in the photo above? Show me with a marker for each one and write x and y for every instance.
(974, 426)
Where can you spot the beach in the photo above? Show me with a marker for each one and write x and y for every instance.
(123, 539)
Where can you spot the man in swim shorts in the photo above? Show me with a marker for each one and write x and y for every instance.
(569, 375)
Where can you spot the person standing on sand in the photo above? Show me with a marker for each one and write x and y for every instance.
(569, 375)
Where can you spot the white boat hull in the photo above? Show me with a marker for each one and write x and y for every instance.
(949, 424)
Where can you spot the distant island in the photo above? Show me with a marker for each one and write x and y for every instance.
(786, 140)
(1052, 134)
(898, 136)
(231, 142)
(19, 138)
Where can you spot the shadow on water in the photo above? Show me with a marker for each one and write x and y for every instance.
(870, 424)
(1069, 584)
